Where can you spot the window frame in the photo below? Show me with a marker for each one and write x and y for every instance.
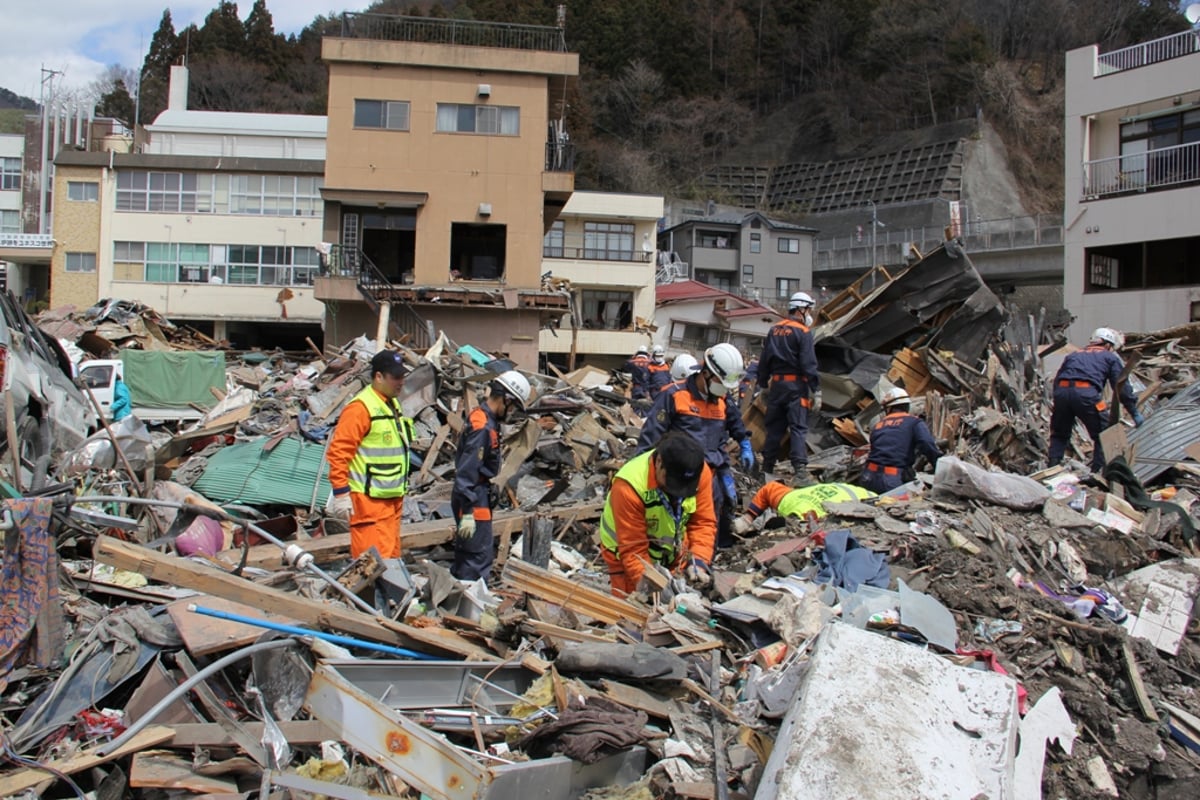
(787, 244)
(591, 299)
(554, 242)
(387, 109)
(485, 119)
(10, 174)
(88, 260)
(603, 241)
(756, 243)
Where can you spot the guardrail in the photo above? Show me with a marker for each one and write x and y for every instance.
(26, 240)
(471, 33)
(1142, 172)
(1176, 45)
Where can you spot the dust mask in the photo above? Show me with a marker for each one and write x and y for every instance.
(716, 388)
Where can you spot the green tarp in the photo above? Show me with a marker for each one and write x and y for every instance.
(248, 474)
(173, 379)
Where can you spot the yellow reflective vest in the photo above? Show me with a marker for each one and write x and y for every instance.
(662, 529)
(380, 465)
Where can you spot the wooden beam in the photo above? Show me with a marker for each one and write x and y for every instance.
(24, 779)
(569, 594)
(210, 734)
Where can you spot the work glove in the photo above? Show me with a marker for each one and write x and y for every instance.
(466, 527)
(743, 524)
(1138, 419)
(816, 400)
(697, 573)
(338, 506)
(747, 454)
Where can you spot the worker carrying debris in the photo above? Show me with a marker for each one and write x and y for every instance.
(369, 460)
(1078, 394)
(476, 464)
(639, 376)
(658, 371)
(788, 371)
(806, 503)
(660, 511)
(896, 441)
(702, 406)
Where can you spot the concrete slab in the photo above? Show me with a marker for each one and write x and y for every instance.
(1164, 594)
(876, 719)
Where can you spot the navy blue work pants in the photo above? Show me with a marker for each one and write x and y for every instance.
(1072, 403)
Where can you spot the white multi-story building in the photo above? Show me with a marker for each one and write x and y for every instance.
(1132, 206)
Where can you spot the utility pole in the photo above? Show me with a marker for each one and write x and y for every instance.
(46, 100)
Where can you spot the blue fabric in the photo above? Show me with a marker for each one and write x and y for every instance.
(122, 406)
(844, 562)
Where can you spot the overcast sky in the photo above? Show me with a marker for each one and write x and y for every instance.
(82, 37)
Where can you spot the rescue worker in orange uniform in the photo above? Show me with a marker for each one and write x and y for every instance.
(369, 460)
(660, 508)
(658, 372)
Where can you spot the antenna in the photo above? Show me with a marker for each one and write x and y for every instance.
(1192, 13)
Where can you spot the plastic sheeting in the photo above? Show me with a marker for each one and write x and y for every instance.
(249, 473)
(173, 379)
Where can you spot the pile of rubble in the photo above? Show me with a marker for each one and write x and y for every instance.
(180, 618)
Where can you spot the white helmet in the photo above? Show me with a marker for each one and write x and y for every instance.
(724, 361)
(1109, 335)
(514, 385)
(683, 365)
(642, 350)
(801, 300)
(658, 350)
(895, 396)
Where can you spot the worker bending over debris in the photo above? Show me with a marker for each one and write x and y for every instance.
(702, 406)
(660, 511)
(896, 441)
(788, 371)
(369, 460)
(1078, 394)
(806, 503)
(476, 464)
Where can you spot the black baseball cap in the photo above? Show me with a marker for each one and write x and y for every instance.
(683, 460)
(389, 362)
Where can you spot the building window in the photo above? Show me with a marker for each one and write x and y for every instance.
(608, 241)
(477, 251)
(241, 264)
(390, 115)
(1158, 264)
(207, 193)
(81, 262)
(786, 287)
(717, 280)
(610, 311)
(1103, 272)
(10, 221)
(463, 118)
(748, 274)
(552, 242)
(83, 191)
(1151, 152)
(275, 195)
(756, 243)
(10, 173)
(692, 337)
(717, 239)
(788, 245)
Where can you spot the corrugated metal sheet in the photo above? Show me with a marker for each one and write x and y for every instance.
(1166, 433)
(246, 473)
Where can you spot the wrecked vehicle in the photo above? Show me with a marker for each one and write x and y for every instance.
(46, 410)
(163, 386)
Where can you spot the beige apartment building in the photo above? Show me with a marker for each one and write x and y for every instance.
(1132, 204)
(447, 163)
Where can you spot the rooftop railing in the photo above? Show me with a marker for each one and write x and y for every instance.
(1176, 45)
(1165, 168)
(471, 33)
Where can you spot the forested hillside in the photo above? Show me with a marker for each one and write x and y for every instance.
(671, 87)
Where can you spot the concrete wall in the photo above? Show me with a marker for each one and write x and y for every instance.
(1094, 107)
(78, 228)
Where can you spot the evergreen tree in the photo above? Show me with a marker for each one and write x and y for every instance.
(156, 70)
(117, 103)
(262, 45)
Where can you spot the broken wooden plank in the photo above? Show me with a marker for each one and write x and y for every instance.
(210, 734)
(158, 769)
(568, 594)
(633, 697)
(1135, 681)
(204, 635)
(28, 778)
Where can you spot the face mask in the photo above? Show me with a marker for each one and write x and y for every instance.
(660, 359)
(716, 388)
(808, 320)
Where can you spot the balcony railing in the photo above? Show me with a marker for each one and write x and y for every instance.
(26, 240)
(598, 248)
(1142, 172)
(560, 157)
(1176, 45)
(471, 33)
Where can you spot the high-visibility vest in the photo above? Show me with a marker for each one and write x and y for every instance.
(380, 465)
(663, 531)
(799, 502)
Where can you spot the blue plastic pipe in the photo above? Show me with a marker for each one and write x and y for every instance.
(298, 631)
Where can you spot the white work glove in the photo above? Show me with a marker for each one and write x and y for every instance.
(816, 400)
(743, 524)
(466, 527)
(697, 573)
(338, 506)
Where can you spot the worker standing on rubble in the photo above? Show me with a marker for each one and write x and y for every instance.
(788, 371)
(638, 374)
(806, 503)
(702, 406)
(660, 511)
(1078, 394)
(476, 464)
(658, 371)
(896, 441)
(369, 460)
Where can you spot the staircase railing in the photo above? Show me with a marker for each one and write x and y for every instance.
(404, 321)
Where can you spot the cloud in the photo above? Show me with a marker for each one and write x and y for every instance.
(79, 38)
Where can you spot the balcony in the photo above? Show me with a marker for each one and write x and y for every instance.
(1166, 168)
(724, 259)
(469, 33)
(1177, 45)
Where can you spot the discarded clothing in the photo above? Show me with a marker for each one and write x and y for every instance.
(29, 583)
(589, 733)
(1118, 471)
(844, 562)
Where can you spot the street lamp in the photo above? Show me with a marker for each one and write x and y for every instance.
(875, 223)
